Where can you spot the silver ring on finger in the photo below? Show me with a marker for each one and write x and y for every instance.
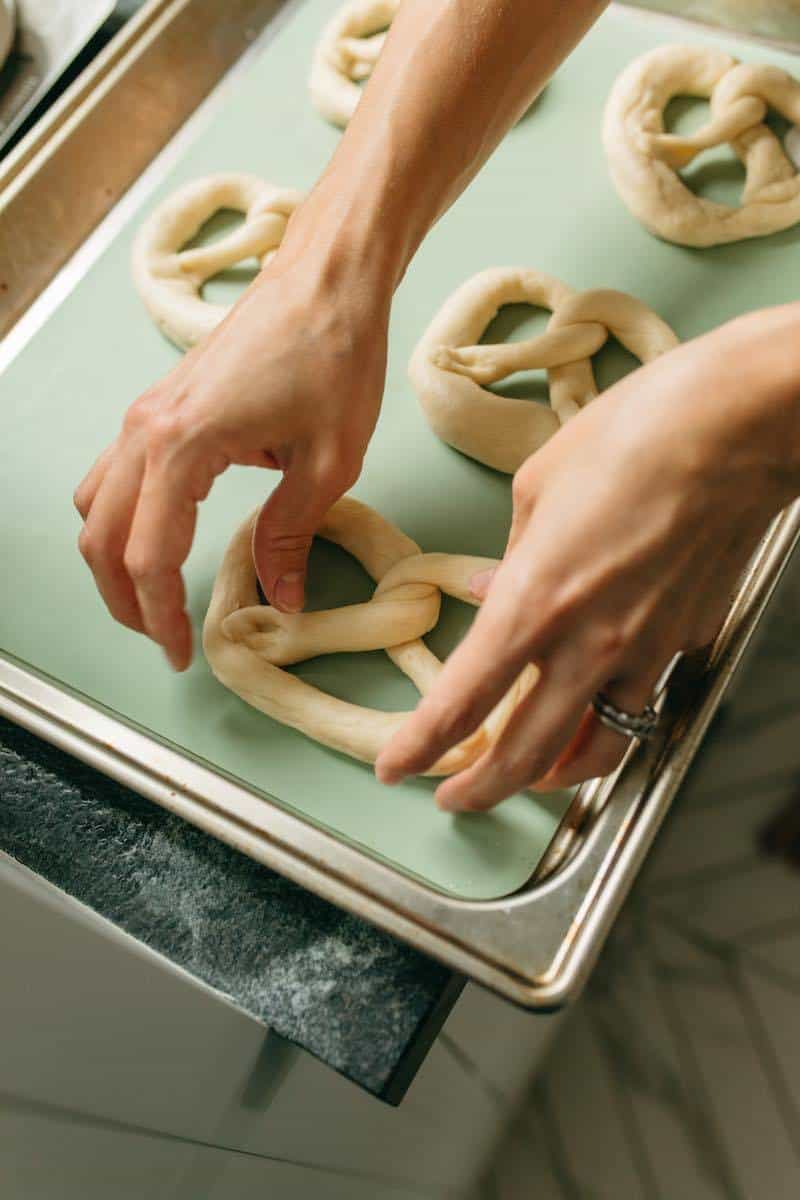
(640, 726)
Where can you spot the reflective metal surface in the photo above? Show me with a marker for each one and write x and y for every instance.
(535, 947)
(49, 35)
(773, 21)
(62, 179)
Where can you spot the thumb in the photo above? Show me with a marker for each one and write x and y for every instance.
(282, 537)
(480, 583)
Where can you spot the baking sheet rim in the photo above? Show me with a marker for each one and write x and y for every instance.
(488, 939)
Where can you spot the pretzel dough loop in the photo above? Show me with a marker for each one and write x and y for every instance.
(644, 159)
(346, 54)
(449, 370)
(170, 279)
(247, 643)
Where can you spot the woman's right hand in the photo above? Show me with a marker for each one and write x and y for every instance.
(291, 380)
(631, 527)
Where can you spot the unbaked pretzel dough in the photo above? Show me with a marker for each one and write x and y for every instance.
(169, 279)
(247, 643)
(448, 367)
(644, 160)
(346, 54)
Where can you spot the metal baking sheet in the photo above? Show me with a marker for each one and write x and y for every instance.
(777, 22)
(72, 675)
(50, 34)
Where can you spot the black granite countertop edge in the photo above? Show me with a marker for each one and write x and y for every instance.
(363, 1003)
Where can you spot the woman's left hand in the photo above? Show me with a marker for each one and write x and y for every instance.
(629, 531)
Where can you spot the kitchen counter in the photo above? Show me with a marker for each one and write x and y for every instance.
(362, 1002)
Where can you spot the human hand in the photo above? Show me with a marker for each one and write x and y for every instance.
(292, 380)
(630, 528)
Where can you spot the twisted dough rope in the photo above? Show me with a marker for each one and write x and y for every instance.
(247, 643)
(170, 279)
(345, 55)
(644, 160)
(448, 368)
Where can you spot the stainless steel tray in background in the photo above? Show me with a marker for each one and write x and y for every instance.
(536, 946)
(72, 168)
(50, 34)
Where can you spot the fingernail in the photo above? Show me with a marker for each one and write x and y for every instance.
(480, 581)
(445, 804)
(288, 594)
(387, 775)
(179, 651)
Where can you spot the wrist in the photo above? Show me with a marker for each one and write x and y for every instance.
(348, 242)
(757, 364)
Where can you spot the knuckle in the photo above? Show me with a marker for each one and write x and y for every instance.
(338, 468)
(522, 485)
(516, 767)
(160, 426)
(87, 546)
(514, 632)
(289, 543)
(450, 723)
(554, 618)
(526, 766)
(98, 550)
(350, 469)
(138, 415)
(141, 565)
(607, 643)
(164, 431)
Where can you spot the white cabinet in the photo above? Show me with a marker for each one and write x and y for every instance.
(122, 1077)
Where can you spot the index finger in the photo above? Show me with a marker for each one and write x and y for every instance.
(160, 540)
(474, 679)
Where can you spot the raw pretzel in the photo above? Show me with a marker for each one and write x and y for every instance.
(644, 160)
(247, 643)
(346, 54)
(448, 368)
(169, 279)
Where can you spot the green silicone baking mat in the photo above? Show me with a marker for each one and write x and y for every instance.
(545, 201)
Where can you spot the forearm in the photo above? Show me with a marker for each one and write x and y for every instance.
(454, 76)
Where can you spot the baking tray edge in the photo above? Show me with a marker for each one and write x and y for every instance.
(535, 947)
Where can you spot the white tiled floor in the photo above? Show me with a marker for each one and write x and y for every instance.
(677, 1077)
(120, 1077)
(678, 1074)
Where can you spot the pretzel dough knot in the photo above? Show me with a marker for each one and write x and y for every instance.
(644, 159)
(170, 279)
(248, 644)
(346, 55)
(449, 369)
